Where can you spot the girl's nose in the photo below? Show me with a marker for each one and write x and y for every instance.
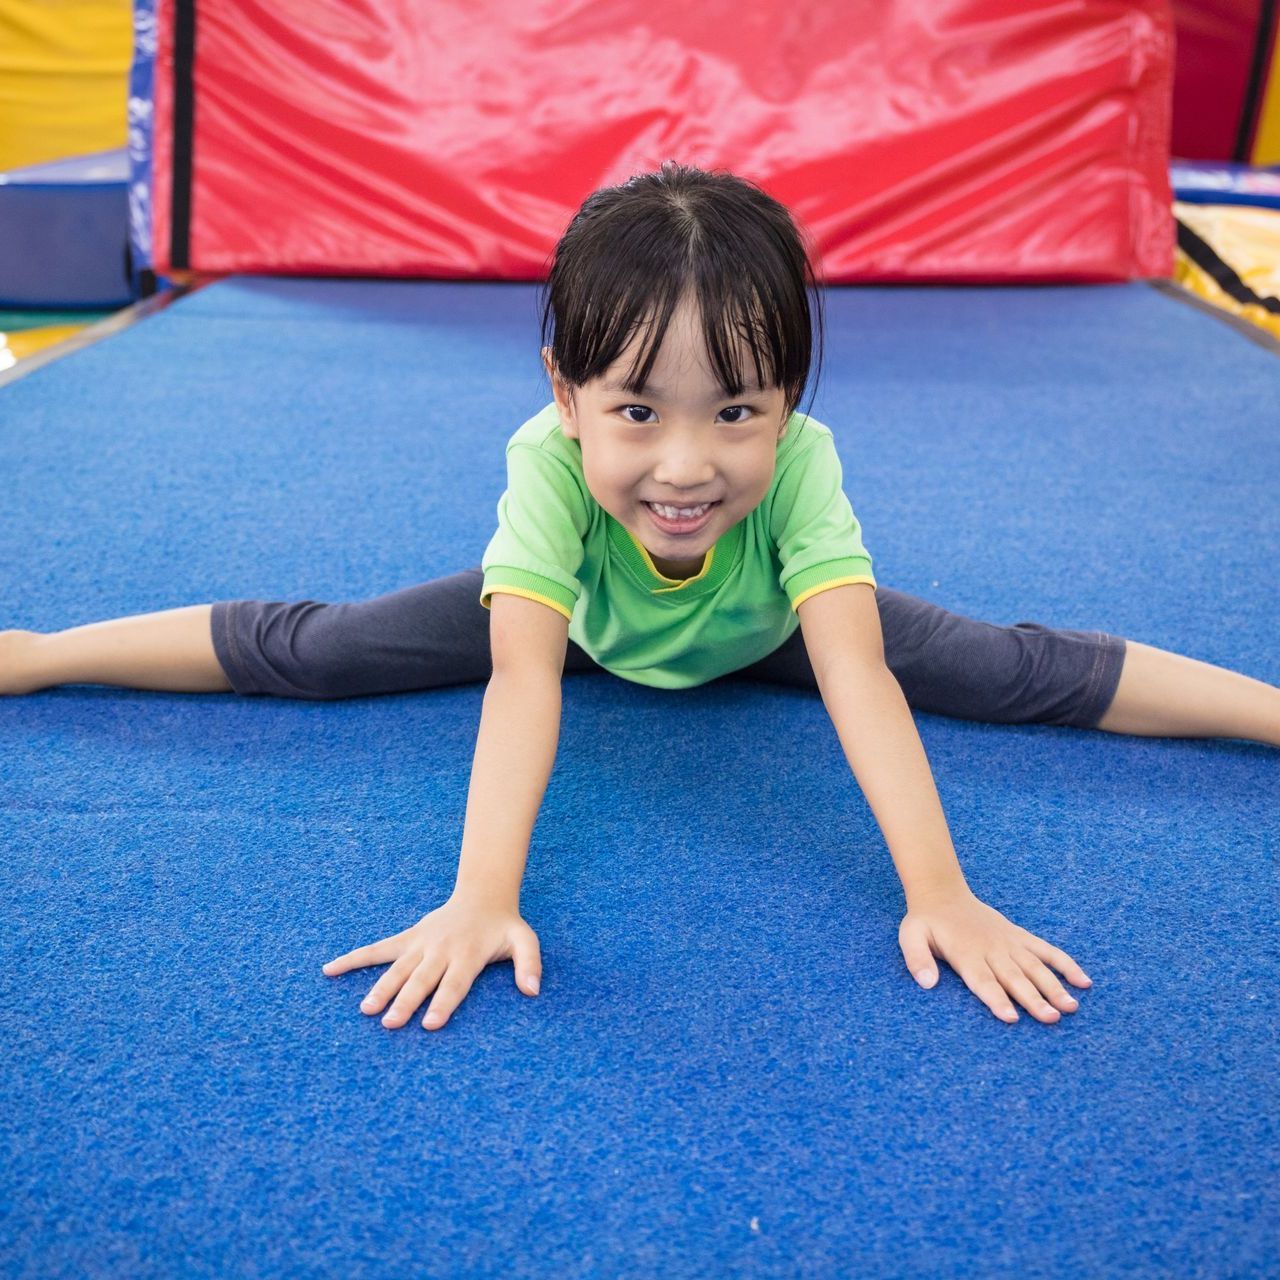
(685, 472)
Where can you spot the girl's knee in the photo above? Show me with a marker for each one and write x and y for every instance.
(1022, 673)
(286, 649)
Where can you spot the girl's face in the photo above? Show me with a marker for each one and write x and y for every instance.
(683, 444)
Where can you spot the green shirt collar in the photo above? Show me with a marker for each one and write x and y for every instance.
(715, 567)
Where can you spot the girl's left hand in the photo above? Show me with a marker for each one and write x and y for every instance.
(995, 957)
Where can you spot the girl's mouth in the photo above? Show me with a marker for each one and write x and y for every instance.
(682, 524)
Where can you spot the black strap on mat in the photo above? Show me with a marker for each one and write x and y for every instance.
(1202, 253)
(1262, 42)
(184, 110)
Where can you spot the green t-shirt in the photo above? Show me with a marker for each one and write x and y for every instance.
(554, 543)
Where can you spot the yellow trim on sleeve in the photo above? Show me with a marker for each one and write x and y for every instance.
(528, 595)
(826, 586)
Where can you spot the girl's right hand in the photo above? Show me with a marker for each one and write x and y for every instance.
(444, 952)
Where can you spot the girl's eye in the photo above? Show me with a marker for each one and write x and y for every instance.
(734, 408)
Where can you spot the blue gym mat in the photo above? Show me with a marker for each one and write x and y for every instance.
(729, 1071)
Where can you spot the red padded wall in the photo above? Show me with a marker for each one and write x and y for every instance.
(1215, 41)
(945, 140)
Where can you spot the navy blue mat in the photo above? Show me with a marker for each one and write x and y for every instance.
(729, 1071)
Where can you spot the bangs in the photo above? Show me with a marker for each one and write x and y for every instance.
(743, 351)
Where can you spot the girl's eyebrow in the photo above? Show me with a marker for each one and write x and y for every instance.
(659, 394)
(646, 390)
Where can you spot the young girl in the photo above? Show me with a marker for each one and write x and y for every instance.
(672, 519)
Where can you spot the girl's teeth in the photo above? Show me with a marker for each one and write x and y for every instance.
(680, 513)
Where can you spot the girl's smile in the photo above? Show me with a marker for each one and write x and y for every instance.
(680, 522)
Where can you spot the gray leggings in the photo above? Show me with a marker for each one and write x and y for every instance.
(437, 634)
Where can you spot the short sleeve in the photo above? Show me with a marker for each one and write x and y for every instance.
(818, 537)
(542, 520)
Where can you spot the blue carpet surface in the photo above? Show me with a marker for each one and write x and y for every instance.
(729, 1071)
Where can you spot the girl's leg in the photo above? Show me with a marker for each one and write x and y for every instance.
(167, 650)
(422, 637)
(435, 633)
(1027, 673)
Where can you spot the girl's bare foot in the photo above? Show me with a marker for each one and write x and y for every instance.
(15, 673)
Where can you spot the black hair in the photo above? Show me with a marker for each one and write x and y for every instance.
(633, 251)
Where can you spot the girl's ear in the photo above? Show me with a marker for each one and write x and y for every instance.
(568, 423)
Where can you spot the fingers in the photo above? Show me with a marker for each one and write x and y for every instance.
(451, 992)
(423, 979)
(987, 987)
(391, 982)
(451, 980)
(364, 957)
(1018, 985)
(913, 938)
(1046, 980)
(526, 953)
(1059, 959)
(443, 953)
(1024, 978)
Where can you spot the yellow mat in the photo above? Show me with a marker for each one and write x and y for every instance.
(64, 70)
(1229, 255)
(21, 343)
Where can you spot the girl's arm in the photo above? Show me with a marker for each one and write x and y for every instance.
(515, 748)
(995, 958)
